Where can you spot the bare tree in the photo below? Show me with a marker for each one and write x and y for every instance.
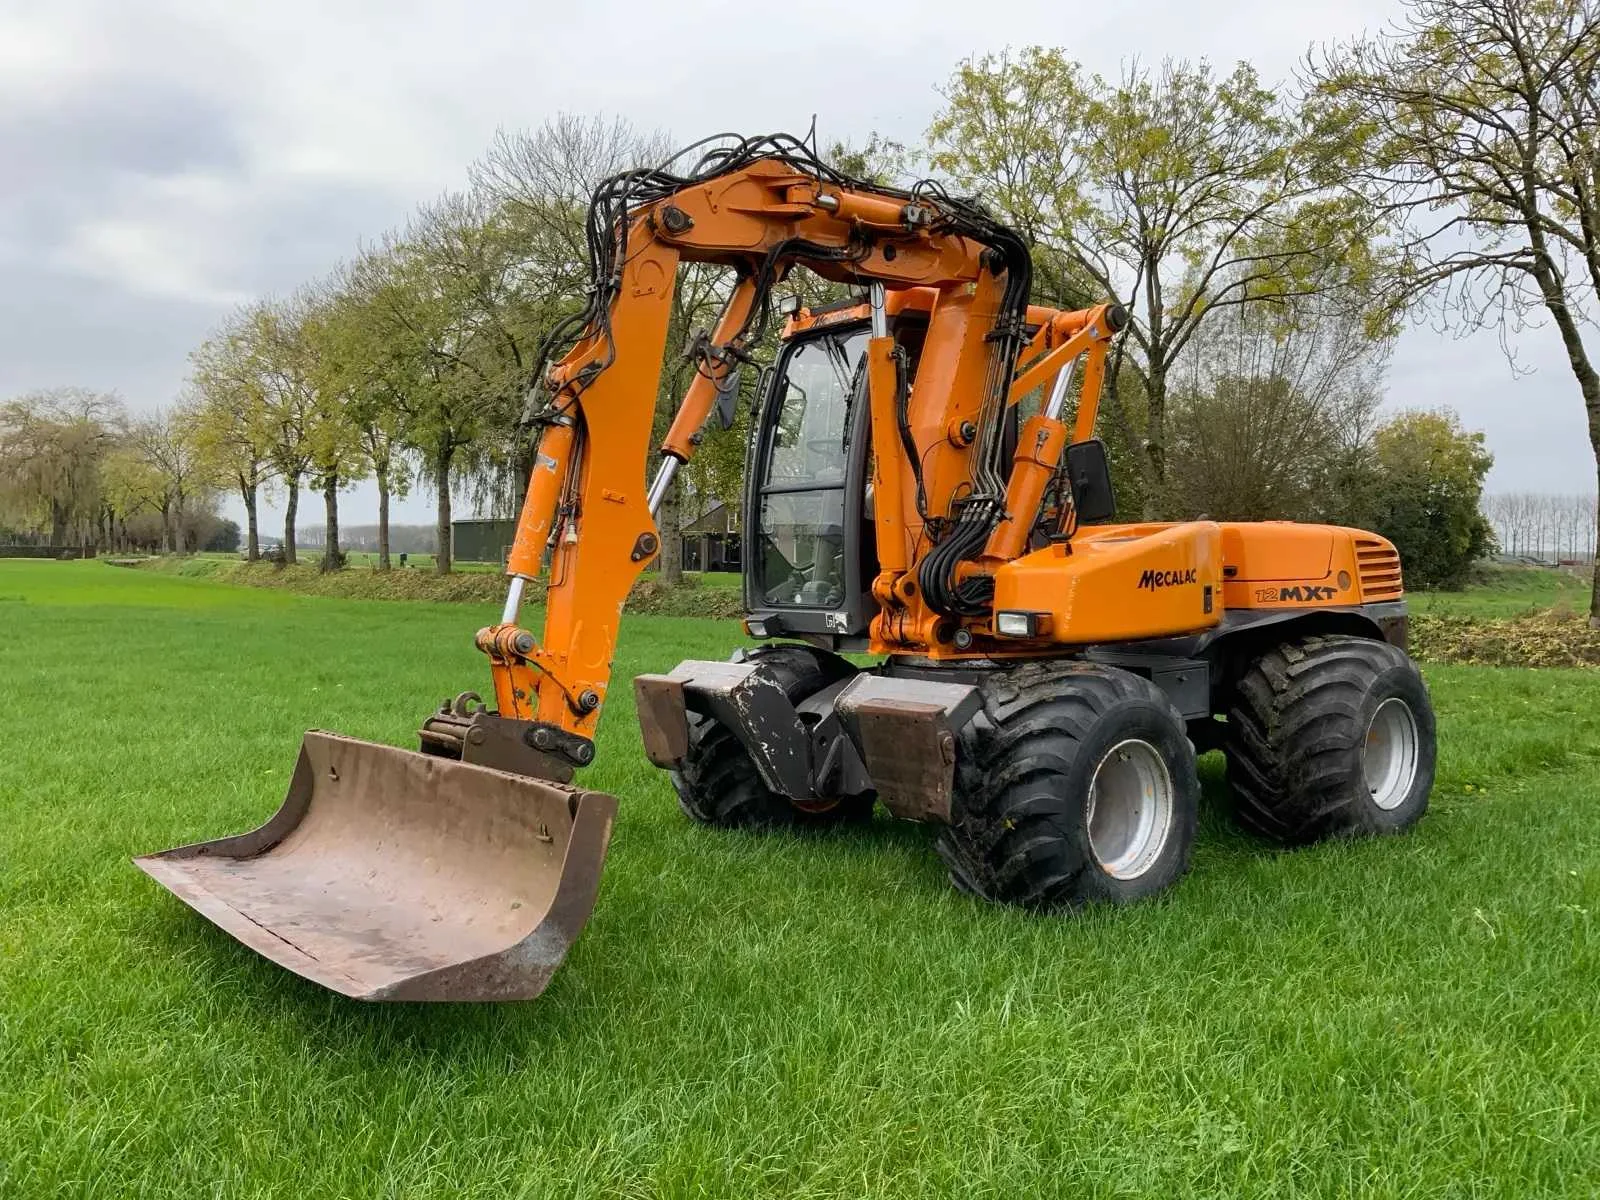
(1267, 403)
(542, 180)
(1539, 525)
(1476, 126)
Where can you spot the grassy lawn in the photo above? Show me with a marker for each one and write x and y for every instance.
(766, 1015)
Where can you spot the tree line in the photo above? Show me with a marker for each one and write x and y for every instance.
(80, 471)
(1543, 525)
(1269, 240)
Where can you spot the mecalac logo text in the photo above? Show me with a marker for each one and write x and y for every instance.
(1151, 580)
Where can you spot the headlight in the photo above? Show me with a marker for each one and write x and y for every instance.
(1017, 624)
(755, 627)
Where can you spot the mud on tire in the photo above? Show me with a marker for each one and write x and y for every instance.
(1329, 737)
(719, 784)
(1024, 830)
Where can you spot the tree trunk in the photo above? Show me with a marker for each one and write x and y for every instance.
(252, 536)
(166, 527)
(1594, 590)
(290, 513)
(383, 518)
(441, 475)
(58, 525)
(669, 524)
(1153, 460)
(330, 503)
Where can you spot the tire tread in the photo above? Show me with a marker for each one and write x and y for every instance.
(1293, 719)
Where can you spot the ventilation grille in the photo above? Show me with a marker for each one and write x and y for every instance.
(1379, 567)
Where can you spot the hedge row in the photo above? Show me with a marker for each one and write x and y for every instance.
(690, 599)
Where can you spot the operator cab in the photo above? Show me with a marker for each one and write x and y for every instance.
(811, 546)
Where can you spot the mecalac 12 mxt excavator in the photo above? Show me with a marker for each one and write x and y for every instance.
(923, 486)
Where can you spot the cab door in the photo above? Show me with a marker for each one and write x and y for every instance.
(807, 566)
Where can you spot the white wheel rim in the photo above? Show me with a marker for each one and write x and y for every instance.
(1131, 802)
(1389, 755)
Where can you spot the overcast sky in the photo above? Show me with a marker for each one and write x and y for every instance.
(163, 160)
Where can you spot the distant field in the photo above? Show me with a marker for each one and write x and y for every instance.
(1508, 592)
(699, 595)
(775, 1016)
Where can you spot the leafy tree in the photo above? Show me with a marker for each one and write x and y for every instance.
(52, 448)
(132, 489)
(224, 540)
(380, 426)
(280, 361)
(1426, 496)
(1181, 193)
(418, 308)
(333, 433)
(1476, 127)
(373, 377)
(176, 478)
(231, 422)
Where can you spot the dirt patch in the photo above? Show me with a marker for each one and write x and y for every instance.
(1547, 639)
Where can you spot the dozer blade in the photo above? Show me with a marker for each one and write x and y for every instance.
(392, 875)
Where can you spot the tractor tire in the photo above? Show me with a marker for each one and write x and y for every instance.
(719, 783)
(1330, 737)
(1076, 784)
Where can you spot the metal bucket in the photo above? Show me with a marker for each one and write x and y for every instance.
(393, 875)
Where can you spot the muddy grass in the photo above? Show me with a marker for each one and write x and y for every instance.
(1547, 639)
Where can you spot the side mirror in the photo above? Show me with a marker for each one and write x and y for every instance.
(1090, 475)
(727, 405)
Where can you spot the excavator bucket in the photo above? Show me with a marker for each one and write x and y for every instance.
(393, 875)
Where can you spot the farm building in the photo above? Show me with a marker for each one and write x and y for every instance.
(709, 544)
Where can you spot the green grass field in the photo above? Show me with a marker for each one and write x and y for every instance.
(1509, 592)
(766, 1016)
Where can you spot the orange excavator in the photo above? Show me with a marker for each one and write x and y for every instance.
(923, 486)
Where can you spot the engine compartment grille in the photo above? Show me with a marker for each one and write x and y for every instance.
(1379, 568)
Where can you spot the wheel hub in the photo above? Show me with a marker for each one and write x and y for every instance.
(1131, 805)
(1389, 755)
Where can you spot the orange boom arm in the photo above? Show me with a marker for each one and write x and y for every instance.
(587, 505)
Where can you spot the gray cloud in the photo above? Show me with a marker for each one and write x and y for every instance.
(161, 161)
(127, 123)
